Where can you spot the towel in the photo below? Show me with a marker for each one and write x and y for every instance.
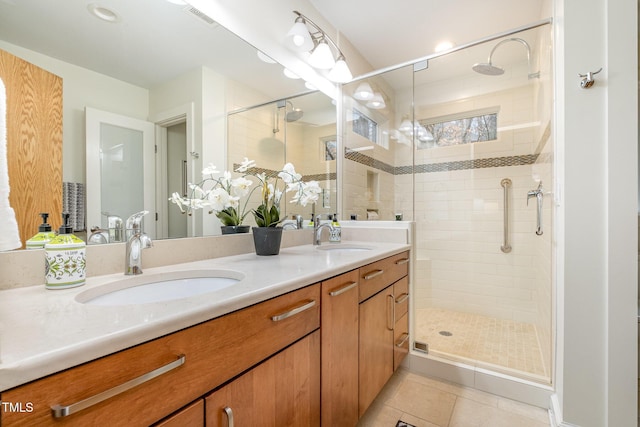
(9, 234)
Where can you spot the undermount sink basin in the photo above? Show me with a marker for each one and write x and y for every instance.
(159, 287)
(342, 248)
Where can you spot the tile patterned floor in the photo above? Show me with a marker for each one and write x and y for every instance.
(495, 342)
(427, 402)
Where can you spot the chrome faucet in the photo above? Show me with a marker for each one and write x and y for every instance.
(298, 225)
(137, 240)
(317, 229)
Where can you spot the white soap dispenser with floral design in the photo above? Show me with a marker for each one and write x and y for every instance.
(66, 259)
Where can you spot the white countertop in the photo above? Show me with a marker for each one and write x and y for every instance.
(45, 331)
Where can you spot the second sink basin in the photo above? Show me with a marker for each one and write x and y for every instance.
(159, 287)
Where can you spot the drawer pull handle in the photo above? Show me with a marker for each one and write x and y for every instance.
(294, 311)
(402, 261)
(229, 413)
(403, 339)
(59, 411)
(402, 298)
(391, 313)
(374, 273)
(343, 289)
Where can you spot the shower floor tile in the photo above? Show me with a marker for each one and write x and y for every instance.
(496, 342)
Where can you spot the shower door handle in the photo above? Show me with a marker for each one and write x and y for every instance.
(538, 194)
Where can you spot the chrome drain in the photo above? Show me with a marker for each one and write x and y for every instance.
(445, 333)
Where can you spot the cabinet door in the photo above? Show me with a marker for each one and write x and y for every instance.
(282, 391)
(192, 415)
(376, 346)
(339, 326)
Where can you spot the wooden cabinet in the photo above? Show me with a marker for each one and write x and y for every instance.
(190, 364)
(192, 415)
(339, 330)
(282, 391)
(401, 317)
(384, 294)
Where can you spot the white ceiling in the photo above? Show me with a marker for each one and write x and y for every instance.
(155, 40)
(392, 32)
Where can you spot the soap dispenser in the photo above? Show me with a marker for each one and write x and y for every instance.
(44, 236)
(335, 232)
(66, 259)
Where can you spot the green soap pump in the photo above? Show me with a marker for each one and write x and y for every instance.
(66, 259)
(44, 235)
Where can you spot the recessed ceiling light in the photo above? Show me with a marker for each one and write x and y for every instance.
(103, 12)
(444, 45)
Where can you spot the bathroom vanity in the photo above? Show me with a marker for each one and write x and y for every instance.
(305, 338)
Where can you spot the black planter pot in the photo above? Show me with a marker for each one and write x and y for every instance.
(235, 229)
(267, 240)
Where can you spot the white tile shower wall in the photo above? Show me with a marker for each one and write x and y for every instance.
(459, 216)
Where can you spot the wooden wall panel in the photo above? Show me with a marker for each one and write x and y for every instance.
(34, 142)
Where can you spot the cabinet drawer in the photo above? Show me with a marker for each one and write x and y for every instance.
(378, 275)
(214, 352)
(400, 340)
(401, 297)
(192, 415)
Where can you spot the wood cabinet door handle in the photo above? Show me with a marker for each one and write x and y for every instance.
(402, 298)
(343, 289)
(299, 309)
(229, 413)
(60, 411)
(372, 274)
(402, 261)
(403, 339)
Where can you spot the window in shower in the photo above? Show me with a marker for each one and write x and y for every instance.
(462, 128)
(365, 126)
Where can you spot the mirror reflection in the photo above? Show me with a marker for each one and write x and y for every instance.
(168, 66)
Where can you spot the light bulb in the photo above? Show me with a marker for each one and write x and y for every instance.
(340, 72)
(321, 57)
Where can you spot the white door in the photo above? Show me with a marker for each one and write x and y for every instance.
(120, 176)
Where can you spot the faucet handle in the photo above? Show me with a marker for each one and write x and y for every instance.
(134, 221)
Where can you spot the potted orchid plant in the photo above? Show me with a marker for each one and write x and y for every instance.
(224, 196)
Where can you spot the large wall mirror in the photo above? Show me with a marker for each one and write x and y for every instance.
(177, 69)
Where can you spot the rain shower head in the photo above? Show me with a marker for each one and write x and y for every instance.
(488, 69)
(294, 114)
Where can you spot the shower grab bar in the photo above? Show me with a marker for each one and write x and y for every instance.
(506, 247)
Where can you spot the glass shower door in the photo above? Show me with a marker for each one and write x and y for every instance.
(482, 289)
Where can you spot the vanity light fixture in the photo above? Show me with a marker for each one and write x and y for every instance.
(287, 72)
(301, 39)
(377, 102)
(363, 92)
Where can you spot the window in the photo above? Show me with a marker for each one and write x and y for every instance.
(465, 128)
(364, 126)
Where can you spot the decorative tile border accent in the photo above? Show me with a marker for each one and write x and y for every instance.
(493, 162)
(270, 173)
(369, 161)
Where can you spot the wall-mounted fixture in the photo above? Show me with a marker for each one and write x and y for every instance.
(300, 39)
(587, 80)
(489, 69)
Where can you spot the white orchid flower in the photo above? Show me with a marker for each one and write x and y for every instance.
(218, 199)
(241, 186)
(226, 178)
(210, 170)
(245, 165)
(177, 200)
(288, 174)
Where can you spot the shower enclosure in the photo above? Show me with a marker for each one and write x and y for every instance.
(299, 130)
(461, 144)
